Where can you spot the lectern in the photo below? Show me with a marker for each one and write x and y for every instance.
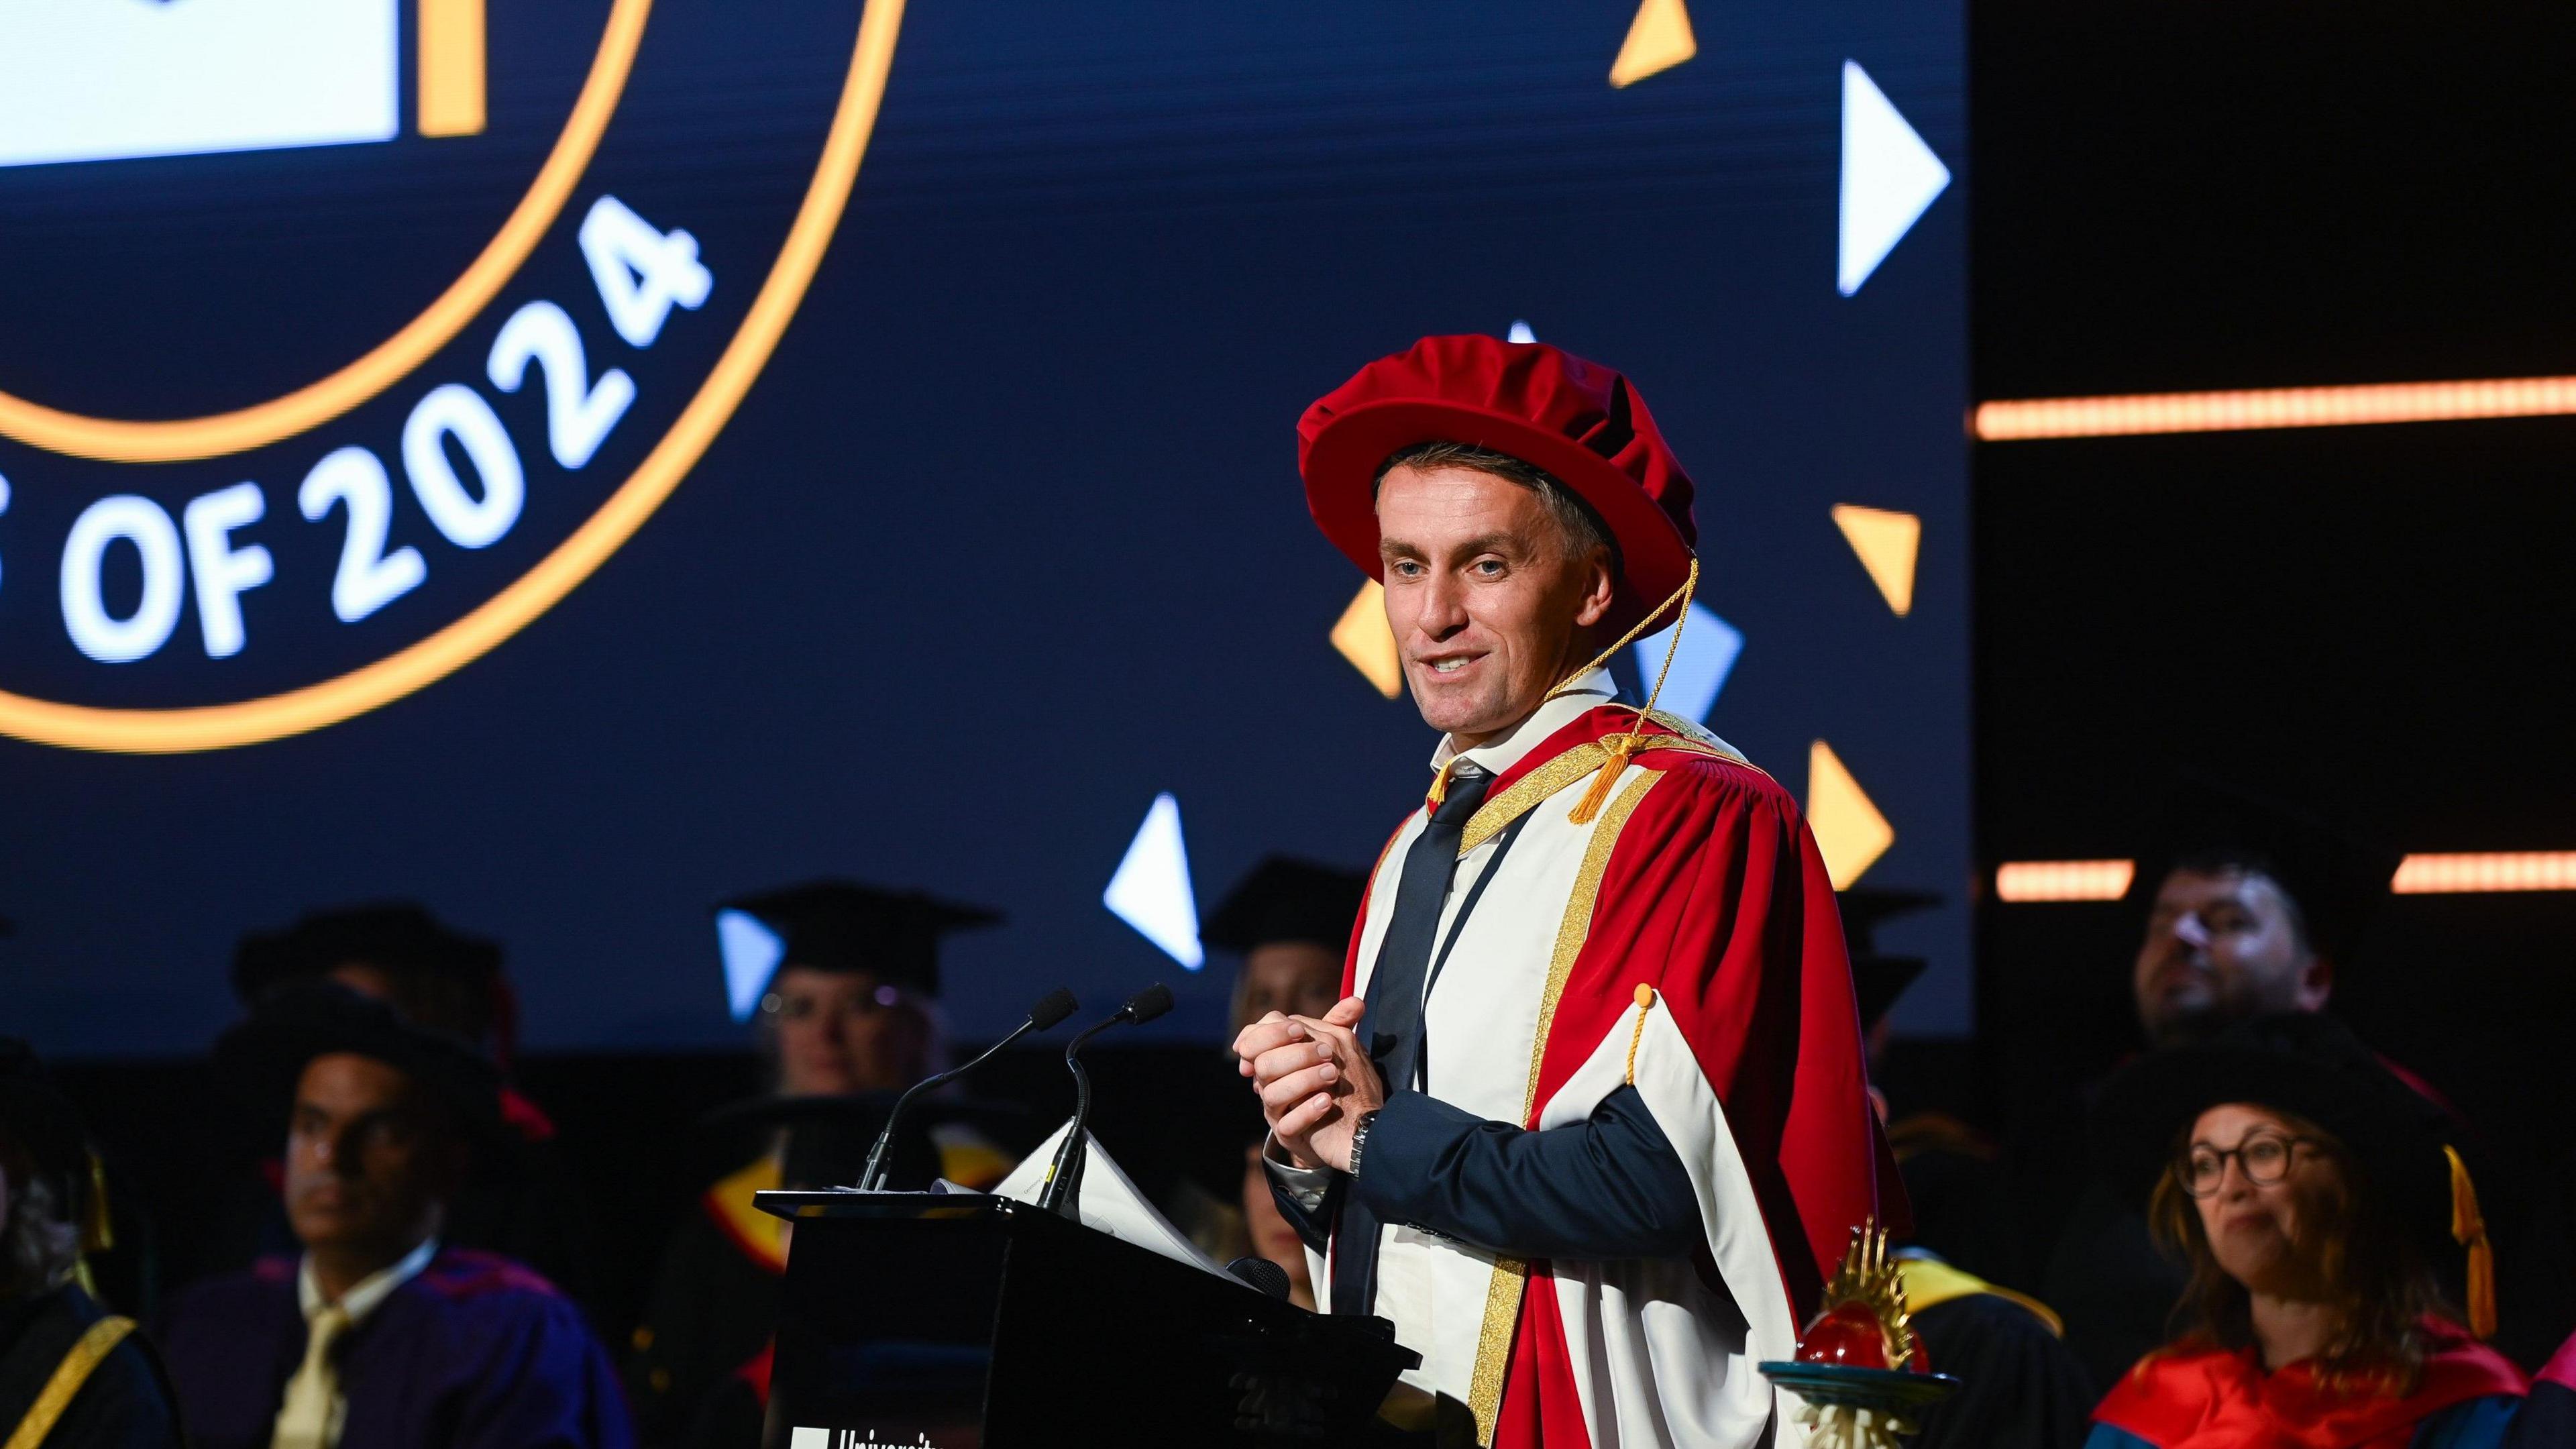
(968, 1320)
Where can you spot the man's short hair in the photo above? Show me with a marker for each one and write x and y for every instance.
(1577, 524)
(2236, 860)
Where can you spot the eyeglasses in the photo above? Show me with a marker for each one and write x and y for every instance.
(2263, 1156)
(851, 1008)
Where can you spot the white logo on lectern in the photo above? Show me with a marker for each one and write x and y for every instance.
(91, 80)
(847, 1439)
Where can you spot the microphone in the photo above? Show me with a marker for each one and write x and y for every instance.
(1057, 1196)
(1053, 1007)
(1262, 1274)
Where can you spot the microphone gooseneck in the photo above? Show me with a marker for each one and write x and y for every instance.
(1053, 1007)
(1057, 1196)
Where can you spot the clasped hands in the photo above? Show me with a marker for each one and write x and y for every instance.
(1314, 1079)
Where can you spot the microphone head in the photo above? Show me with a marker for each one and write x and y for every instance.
(1261, 1273)
(1149, 1003)
(1053, 1007)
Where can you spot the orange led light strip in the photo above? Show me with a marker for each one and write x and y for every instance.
(2063, 880)
(2513, 870)
(2021, 881)
(2138, 414)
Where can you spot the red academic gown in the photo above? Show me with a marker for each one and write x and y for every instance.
(1702, 883)
(2208, 1397)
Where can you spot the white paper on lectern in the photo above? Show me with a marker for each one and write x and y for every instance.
(1108, 1202)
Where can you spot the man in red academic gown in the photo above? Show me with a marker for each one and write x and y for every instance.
(1593, 1120)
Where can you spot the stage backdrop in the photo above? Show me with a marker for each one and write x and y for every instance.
(571, 463)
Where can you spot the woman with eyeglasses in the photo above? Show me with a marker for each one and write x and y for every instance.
(2323, 1215)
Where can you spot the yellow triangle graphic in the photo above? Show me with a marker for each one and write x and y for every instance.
(1658, 39)
(1886, 543)
(1366, 641)
(1850, 833)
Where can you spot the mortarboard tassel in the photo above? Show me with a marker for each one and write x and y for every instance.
(2469, 1230)
(1625, 747)
(98, 1233)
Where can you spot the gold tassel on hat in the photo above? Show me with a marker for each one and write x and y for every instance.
(1624, 748)
(2469, 1230)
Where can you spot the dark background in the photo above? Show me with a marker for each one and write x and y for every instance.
(2371, 620)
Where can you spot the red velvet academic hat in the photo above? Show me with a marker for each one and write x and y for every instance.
(1579, 421)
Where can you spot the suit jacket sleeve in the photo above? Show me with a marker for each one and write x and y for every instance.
(1610, 1186)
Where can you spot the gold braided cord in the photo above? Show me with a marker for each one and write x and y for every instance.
(1511, 1275)
(1525, 793)
(1637, 1038)
(86, 1354)
(1679, 596)
(1627, 744)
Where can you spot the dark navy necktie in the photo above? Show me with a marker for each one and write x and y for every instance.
(1392, 1027)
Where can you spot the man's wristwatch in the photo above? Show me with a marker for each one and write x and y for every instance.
(1359, 1139)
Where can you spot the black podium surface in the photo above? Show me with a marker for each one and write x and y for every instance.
(969, 1320)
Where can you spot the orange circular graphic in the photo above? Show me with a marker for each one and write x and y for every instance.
(296, 711)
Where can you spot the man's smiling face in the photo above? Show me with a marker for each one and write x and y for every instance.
(1490, 605)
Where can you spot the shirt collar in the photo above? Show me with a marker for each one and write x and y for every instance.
(1585, 694)
(368, 1293)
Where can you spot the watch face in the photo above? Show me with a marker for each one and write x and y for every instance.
(348, 337)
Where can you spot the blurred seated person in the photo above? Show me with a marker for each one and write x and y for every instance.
(2250, 908)
(823, 1143)
(1290, 920)
(450, 982)
(1964, 1210)
(2317, 1202)
(378, 1334)
(72, 1376)
(851, 1006)
(2019, 1387)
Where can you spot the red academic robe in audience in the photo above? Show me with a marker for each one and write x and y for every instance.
(2208, 1397)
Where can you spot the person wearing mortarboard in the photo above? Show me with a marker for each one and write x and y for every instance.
(2019, 1387)
(452, 982)
(2318, 1202)
(1591, 1120)
(851, 1008)
(72, 1375)
(378, 1333)
(2251, 906)
(1289, 921)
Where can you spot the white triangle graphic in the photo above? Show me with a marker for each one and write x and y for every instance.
(1707, 655)
(1889, 177)
(751, 951)
(1151, 890)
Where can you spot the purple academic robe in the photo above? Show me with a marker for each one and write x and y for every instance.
(475, 1353)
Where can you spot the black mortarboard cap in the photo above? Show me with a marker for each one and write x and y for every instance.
(841, 925)
(264, 1056)
(2305, 1063)
(1285, 899)
(1878, 979)
(399, 936)
(2336, 878)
